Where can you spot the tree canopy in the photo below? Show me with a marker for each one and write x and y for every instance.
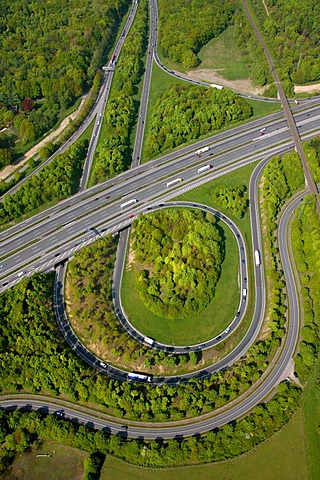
(186, 112)
(184, 27)
(179, 254)
(50, 52)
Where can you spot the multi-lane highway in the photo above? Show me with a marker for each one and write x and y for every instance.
(39, 243)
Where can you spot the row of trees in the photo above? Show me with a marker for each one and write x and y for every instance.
(187, 112)
(56, 181)
(282, 177)
(178, 256)
(50, 52)
(234, 199)
(114, 151)
(19, 431)
(184, 27)
(306, 244)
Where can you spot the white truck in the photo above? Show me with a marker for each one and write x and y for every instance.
(204, 168)
(257, 258)
(199, 152)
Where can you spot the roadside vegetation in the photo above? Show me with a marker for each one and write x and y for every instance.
(20, 430)
(114, 151)
(177, 256)
(49, 57)
(234, 199)
(54, 182)
(306, 243)
(187, 112)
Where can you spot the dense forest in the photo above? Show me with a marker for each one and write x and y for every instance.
(186, 112)
(114, 151)
(177, 256)
(50, 52)
(291, 29)
(184, 27)
(56, 181)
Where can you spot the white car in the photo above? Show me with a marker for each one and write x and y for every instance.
(20, 274)
(103, 365)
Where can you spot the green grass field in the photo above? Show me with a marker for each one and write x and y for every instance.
(210, 322)
(223, 54)
(311, 412)
(282, 457)
(66, 463)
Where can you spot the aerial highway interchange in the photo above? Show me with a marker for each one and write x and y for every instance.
(48, 239)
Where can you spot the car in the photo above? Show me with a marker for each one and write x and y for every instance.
(107, 197)
(124, 427)
(245, 279)
(4, 284)
(131, 216)
(59, 413)
(238, 313)
(262, 130)
(2, 265)
(243, 260)
(20, 274)
(56, 254)
(238, 236)
(227, 330)
(103, 365)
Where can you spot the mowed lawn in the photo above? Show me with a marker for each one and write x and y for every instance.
(66, 463)
(282, 457)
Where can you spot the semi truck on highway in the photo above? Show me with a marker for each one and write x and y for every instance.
(204, 168)
(138, 376)
(128, 203)
(201, 151)
(173, 182)
(257, 258)
(214, 85)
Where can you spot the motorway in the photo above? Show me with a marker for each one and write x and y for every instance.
(41, 242)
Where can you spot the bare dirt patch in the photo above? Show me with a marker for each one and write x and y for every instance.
(307, 88)
(211, 75)
(131, 257)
